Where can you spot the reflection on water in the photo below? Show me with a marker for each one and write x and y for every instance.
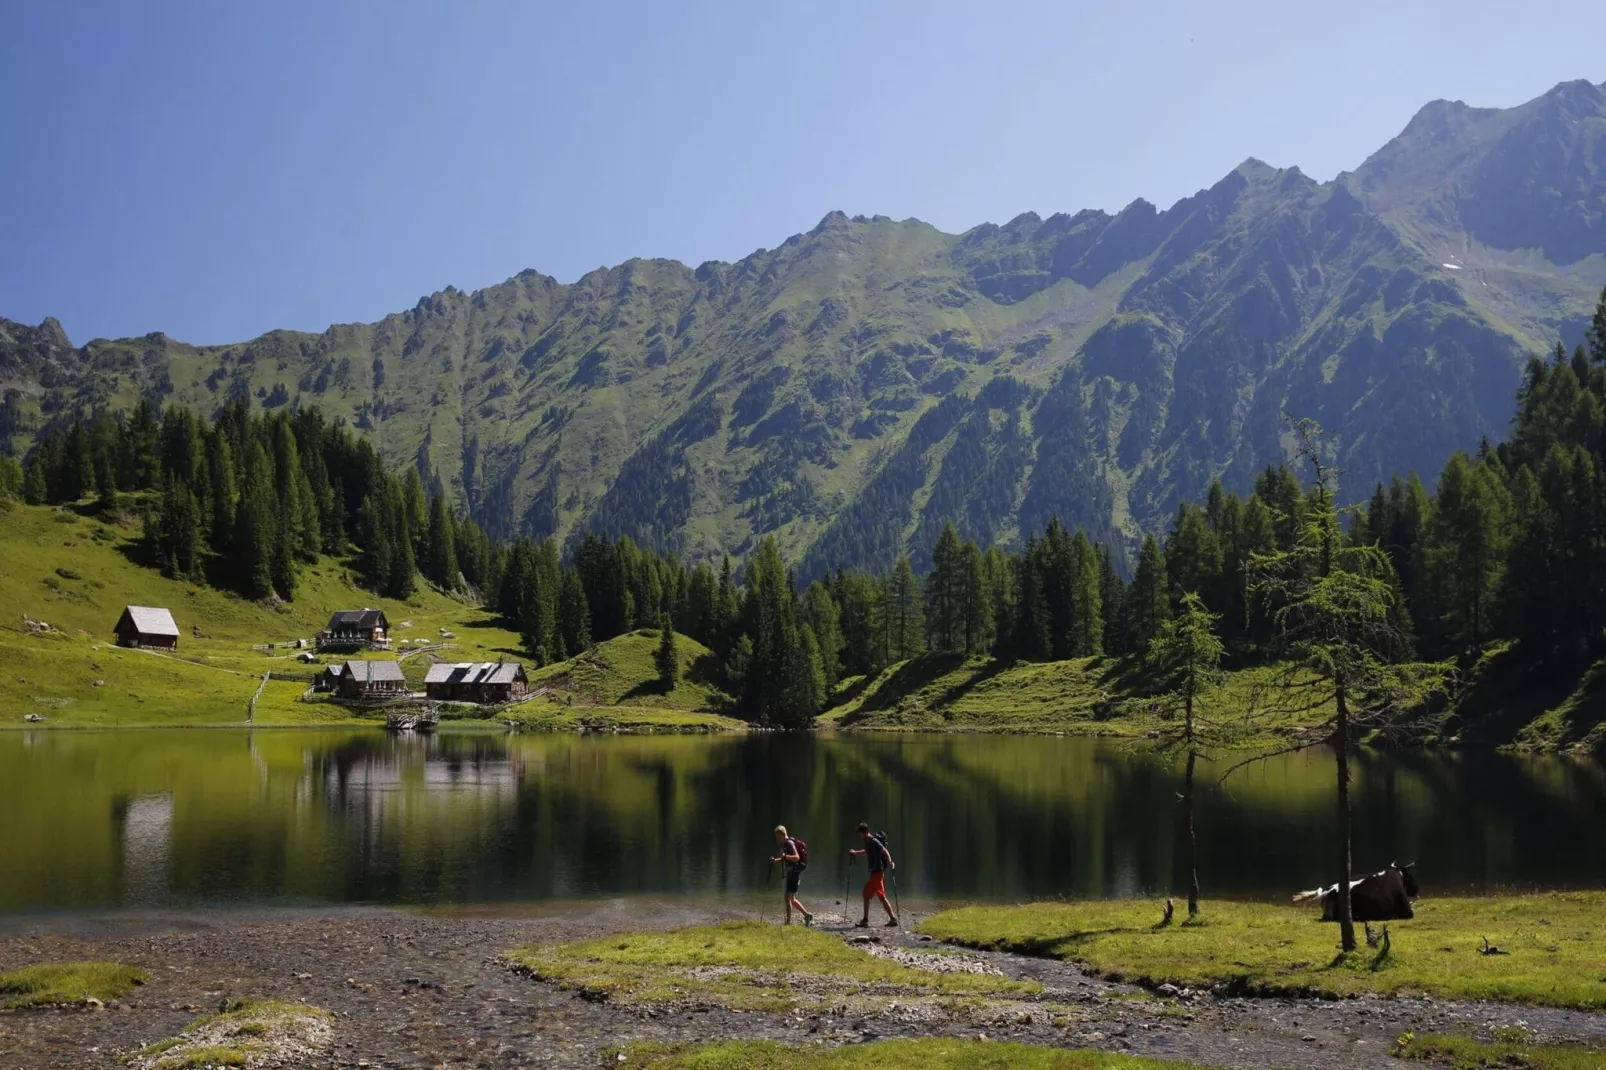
(146, 818)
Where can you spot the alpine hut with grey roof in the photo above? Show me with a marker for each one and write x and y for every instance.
(484, 681)
(147, 626)
(362, 679)
(356, 629)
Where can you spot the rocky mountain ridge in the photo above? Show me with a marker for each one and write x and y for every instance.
(862, 383)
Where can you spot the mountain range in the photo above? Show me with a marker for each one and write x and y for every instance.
(862, 383)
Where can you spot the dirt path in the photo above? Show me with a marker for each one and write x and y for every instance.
(427, 990)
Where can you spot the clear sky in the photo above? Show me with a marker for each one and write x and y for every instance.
(217, 169)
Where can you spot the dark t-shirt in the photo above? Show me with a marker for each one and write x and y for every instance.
(875, 854)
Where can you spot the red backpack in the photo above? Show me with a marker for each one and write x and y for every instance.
(802, 852)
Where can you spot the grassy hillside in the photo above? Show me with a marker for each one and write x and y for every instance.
(77, 572)
(1085, 696)
(615, 686)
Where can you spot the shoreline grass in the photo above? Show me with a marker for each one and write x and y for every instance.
(59, 983)
(1553, 947)
(1513, 1053)
(248, 1031)
(742, 966)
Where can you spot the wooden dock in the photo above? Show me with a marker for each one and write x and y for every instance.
(414, 721)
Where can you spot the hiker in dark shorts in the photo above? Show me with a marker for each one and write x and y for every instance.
(880, 859)
(796, 862)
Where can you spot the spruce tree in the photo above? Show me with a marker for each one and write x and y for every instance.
(225, 496)
(1149, 600)
(944, 587)
(1112, 599)
(1337, 632)
(665, 658)
(904, 611)
(1466, 547)
(442, 560)
(1184, 663)
(820, 613)
(574, 614)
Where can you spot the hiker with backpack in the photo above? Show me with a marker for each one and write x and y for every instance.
(795, 853)
(875, 853)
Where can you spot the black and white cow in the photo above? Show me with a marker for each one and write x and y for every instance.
(1384, 896)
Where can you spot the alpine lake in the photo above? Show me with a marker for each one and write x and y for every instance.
(157, 819)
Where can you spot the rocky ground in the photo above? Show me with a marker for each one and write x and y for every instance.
(411, 989)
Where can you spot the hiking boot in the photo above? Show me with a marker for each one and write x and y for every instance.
(808, 920)
(865, 924)
(892, 923)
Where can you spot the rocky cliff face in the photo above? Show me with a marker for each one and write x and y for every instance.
(864, 382)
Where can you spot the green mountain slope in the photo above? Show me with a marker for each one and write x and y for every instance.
(860, 384)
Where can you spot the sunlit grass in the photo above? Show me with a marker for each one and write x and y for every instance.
(50, 983)
(252, 1030)
(1464, 1053)
(1553, 947)
(742, 965)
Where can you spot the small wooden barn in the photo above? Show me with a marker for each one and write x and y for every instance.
(147, 626)
(485, 681)
(356, 629)
(371, 679)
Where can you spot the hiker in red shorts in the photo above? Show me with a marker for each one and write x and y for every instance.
(880, 859)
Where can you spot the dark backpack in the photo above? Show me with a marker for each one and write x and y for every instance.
(880, 840)
(802, 853)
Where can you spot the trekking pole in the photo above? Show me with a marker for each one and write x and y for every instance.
(896, 903)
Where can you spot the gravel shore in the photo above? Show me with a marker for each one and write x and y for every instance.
(414, 989)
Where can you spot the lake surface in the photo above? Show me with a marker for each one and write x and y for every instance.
(175, 818)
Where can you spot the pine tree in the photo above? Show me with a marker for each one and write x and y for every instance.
(178, 533)
(1112, 598)
(415, 511)
(665, 658)
(442, 559)
(819, 611)
(574, 614)
(34, 488)
(803, 685)
(1184, 661)
(1596, 335)
(1149, 600)
(225, 496)
(975, 601)
(904, 612)
(1466, 547)
(1192, 554)
(255, 528)
(1087, 627)
(944, 584)
(1337, 632)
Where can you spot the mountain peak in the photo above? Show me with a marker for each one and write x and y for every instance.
(1579, 97)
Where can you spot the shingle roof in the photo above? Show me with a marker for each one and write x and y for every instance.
(356, 618)
(467, 672)
(150, 621)
(504, 673)
(372, 672)
(439, 674)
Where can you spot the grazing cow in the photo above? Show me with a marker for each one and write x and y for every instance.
(1384, 896)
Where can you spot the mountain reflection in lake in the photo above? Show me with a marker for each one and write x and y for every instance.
(195, 817)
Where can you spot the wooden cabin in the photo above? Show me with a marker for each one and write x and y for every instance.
(329, 679)
(371, 680)
(146, 626)
(356, 629)
(484, 682)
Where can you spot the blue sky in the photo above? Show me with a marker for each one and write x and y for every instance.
(215, 170)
